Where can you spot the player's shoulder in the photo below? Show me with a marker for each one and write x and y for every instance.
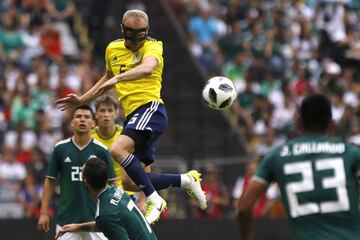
(277, 151)
(116, 43)
(93, 132)
(151, 39)
(351, 147)
(99, 144)
(62, 142)
(119, 128)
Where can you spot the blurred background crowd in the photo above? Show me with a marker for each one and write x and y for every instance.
(275, 51)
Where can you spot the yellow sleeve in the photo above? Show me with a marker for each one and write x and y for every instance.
(155, 49)
(107, 58)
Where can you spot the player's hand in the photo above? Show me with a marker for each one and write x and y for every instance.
(70, 101)
(67, 228)
(43, 223)
(106, 86)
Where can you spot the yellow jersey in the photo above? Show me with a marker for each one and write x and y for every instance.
(135, 93)
(107, 142)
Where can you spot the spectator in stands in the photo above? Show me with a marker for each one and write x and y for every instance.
(242, 183)
(216, 193)
(235, 70)
(11, 42)
(30, 197)
(20, 137)
(62, 10)
(11, 175)
(50, 40)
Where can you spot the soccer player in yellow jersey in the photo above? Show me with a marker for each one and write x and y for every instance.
(134, 68)
(106, 132)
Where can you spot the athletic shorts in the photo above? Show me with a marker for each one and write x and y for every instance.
(149, 122)
(81, 235)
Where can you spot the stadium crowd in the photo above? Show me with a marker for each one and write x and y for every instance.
(41, 59)
(275, 51)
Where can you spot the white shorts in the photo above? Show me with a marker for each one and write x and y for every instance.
(81, 235)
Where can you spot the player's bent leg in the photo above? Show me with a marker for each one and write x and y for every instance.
(121, 150)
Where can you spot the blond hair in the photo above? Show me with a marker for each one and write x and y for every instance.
(136, 16)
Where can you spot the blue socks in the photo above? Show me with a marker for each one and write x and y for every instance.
(148, 182)
(163, 181)
(135, 171)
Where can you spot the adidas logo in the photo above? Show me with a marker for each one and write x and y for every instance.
(114, 59)
(67, 159)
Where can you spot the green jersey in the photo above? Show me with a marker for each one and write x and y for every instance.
(118, 217)
(76, 205)
(317, 180)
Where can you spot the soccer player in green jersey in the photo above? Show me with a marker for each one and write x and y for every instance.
(116, 215)
(68, 157)
(316, 176)
(134, 67)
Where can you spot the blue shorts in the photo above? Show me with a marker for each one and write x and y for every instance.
(144, 126)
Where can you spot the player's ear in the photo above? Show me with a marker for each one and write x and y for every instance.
(93, 123)
(122, 28)
(72, 124)
(85, 182)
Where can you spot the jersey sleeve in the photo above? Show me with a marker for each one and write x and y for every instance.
(109, 162)
(107, 59)
(264, 172)
(54, 164)
(155, 49)
(111, 228)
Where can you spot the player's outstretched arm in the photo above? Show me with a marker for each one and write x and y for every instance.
(73, 100)
(145, 69)
(75, 227)
(44, 222)
(245, 206)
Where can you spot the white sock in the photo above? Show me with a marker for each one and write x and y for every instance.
(153, 197)
(185, 181)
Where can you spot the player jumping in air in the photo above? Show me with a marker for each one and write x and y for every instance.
(134, 68)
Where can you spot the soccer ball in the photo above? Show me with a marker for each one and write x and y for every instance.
(219, 93)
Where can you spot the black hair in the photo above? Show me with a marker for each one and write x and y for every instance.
(85, 107)
(95, 172)
(315, 113)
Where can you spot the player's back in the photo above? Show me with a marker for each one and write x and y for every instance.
(116, 213)
(317, 180)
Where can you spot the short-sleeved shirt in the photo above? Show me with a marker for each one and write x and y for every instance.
(133, 94)
(67, 160)
(317, 180)
(118, 217)
(107, 142)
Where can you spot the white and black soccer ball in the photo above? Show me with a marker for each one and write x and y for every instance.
(219, 93)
